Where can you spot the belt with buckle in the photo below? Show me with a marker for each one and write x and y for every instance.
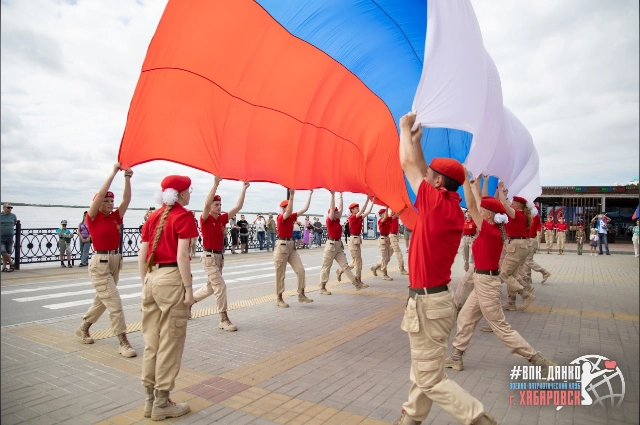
(285, 239)
(213, 251)
(355, 236)
(162, 265)
(516, 237)
(488, 272)
(113, 251)
(335, 240)
(414, 292)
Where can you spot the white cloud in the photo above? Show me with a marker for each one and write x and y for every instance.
(569, 71)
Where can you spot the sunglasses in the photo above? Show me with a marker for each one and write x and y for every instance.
(9, 208)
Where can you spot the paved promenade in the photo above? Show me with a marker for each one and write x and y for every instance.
(339, 360)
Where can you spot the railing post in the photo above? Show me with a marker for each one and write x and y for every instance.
(16, 247)
(121, 238)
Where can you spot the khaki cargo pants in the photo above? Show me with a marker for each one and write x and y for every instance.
(284, 253)
(356, 254)
(428, 319)
(485, 301)
(164, 327)
(561, 237)
(212, 264)
(548, 237)
(538, 237)
(467, 254)
(529, 263)
(393, 238)
(104, 270)
(514, 254)
(465, 286)
(334, 250)
(385, 253)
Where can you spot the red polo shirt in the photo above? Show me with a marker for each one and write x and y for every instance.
(334, 228)
(384, 226)
(561, 227)
(469, 228)
(436, 237)
(549, 225)
(487, 247)
(105, 230)
(213, 231)
(517, 226)
(179, 224)
(285, 227)
(355, 225)
(395, 225)
(535, 226)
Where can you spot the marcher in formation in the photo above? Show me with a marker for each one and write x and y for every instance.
(167, 295)
(356, 219)
(530, 263)
(515, 249)
(334, 250)
(285, 251)
(394, 240)
(104, 226)
(580, 237)
(213, 223)
(484, 299)
(561, 234)
(469, 233)
(549, 227)
(430, 311)
(384, 244)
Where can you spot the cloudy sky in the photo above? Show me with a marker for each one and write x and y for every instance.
(569, 72)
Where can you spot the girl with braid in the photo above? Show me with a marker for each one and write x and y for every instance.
(167, 294)
(484, 300)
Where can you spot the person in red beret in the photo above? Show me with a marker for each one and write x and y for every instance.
(529, 263)
(384, 227)
(167, 295)
(484, 299)
(469, 232)
(334, 250)
(213, 223)
(103, 222)
(431, 311)
(515, 250)
(393, 239)
(356, 219)
(561, 234)
(549, 227)
(285, 250)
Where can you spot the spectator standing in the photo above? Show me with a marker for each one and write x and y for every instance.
(271, 232)
(297, 234)
(345, 232)
(407, 237)
(601, 221)
(561, 234)
(593, 242)
(243, 226)
(194, 241)
(549, 226)
(306, 232)
(234, 233)
(260, 225)
(635, 237)
(580, 238)
(64, 243)
(85, 241)
(9, 220)
(317, 235)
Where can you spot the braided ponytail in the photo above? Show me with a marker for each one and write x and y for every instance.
(503, 231)
(165, 213)
(527, 214)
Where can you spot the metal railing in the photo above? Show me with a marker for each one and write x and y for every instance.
(41, 245)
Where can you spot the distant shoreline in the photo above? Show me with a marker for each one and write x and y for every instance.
(20, 204)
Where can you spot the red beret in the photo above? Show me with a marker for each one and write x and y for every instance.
(382, 211)
(580, 226)
(352, 206)
(284, 203)
(448, 167)
(520, 199)
(178, 183)
(492, 204)
(217, 198)
(108, 195)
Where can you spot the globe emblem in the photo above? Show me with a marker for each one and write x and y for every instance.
(602, 381)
